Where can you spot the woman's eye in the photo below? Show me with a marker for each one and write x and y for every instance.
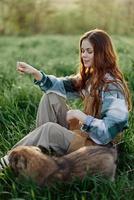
(89, 51)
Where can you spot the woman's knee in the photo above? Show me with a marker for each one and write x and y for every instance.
(51, 98)
(53, 129)
(50, 124)
(55, 98)
(50, 127)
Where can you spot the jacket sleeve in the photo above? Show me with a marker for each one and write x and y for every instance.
(61, 86)
(114, 117)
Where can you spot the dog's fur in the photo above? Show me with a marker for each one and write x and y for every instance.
(30, 161)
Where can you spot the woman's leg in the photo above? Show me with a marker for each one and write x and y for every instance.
(49, 136)
(50, 131)
(52, 108)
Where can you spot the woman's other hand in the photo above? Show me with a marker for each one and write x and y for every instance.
(76, 114)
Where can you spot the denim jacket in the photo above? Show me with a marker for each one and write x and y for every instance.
(113, 115)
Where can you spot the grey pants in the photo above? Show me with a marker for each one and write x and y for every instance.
(51, 126)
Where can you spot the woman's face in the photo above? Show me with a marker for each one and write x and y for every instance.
(87, 53)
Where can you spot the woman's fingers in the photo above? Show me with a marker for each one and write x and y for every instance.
(25, 68)
(70, 115)
(20, 67)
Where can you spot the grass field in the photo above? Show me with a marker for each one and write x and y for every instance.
(19, 98)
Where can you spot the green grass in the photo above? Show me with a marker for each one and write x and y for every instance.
(19, 98)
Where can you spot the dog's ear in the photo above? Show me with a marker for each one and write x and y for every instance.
(13, 158)
(17, 162)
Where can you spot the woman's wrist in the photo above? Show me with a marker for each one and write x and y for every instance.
(37, 74)
(81, 116)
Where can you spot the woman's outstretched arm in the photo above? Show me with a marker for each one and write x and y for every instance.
(48, 83)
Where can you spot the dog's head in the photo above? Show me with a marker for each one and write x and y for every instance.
(19, 157)
(30, 162)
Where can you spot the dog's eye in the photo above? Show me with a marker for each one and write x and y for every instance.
(13, 158)
(16, 159)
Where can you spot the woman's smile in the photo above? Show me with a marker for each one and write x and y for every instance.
(87, 63)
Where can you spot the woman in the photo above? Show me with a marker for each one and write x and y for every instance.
(103, 90)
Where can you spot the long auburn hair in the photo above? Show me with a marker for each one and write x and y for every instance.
(105, 61)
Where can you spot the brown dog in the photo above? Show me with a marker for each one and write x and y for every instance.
(30, 161)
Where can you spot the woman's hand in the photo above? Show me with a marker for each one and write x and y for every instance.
(25, 68)
(77, 114)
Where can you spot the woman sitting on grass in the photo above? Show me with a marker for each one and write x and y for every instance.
(105, 96)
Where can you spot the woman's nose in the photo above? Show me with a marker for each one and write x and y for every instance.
(85, 54)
